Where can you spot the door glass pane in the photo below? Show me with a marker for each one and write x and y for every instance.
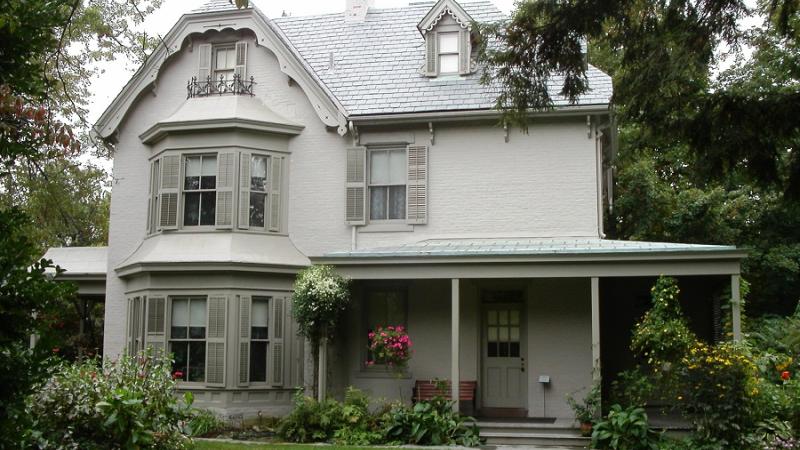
(514, 350)
(208, 207)
(258, 173)
(503, 349)
(503, 317)
(492, 317)
(514, 317)
(379, 167)
(503, 334)
(448, 42)
(397, 167)
(514, 334)
(257, 207)
(492, 336)
(397, 202)
(491, 351)
(377, 203)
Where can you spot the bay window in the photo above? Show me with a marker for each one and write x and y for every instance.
(258, 191)
(259, 339)
(199, 190)
(187, 339)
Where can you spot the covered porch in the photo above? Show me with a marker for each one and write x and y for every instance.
(529, 320)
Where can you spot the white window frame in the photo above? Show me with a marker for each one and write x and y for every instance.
(371, 185)
(183, 191)
(171, 339)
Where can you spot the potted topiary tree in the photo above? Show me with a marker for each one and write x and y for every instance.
(319, 299)
(586, 410)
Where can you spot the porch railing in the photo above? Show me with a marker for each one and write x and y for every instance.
(204, 88)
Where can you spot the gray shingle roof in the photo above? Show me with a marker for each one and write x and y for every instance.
(79, 260)
(526, 247)
(377, 62)
(214, 6)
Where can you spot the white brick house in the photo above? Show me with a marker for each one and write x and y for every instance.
(247, 148)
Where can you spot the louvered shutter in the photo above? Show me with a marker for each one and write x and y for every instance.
(215, 340)
(150, 229)
(245, 303)
(431, 54)
(276, 171)
(464, 52)
(417, 187)
(276, 342)
(356, 186)
(244, 191)
(203, 62)
(156, 324)
(241, 60)
(226, 174)
(168, 192)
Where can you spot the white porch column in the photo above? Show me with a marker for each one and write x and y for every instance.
(323, 370)
(595, 329)
(454, 342)
(736, 308)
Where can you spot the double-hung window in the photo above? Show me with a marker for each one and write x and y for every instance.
(385, 307)
(448, 52)
(259, 339)
(187, 340)
(387, 184)
(224, 62)
(199, 190)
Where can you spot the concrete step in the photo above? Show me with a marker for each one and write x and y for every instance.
(534, 434)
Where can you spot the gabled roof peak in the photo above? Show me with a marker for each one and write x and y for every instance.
(438, 11)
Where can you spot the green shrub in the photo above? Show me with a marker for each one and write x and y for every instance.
(128, 403)
(359, 425)
(202, 422)
(311, 421)
(430, 423)
(624, 429)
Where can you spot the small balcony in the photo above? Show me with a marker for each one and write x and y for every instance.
(237, 85)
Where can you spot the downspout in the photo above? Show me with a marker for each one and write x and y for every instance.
(353, 238)
(598, 136)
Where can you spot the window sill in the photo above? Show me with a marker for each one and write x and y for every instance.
(388, 227)
(383, 372)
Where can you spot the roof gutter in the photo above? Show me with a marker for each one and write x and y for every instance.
(474, 114)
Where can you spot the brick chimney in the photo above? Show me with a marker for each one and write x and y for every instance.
(356, 10)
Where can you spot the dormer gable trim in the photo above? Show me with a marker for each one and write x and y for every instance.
(442, 7)
(328, 109)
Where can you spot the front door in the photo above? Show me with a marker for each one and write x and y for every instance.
(503, 350)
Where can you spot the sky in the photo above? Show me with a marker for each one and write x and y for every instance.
(116, 74)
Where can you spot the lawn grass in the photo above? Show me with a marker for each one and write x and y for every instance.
(206, 445)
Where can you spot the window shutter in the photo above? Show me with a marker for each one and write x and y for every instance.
(276, 342)
(241, 60)
(464, 50)
(245, 303)
(226, 174)
(203, 62)
(356, 186)
(129, 328)
(431, 54)
(168, 192)
(276, 170)
(244, 191)
(156, 324)
(152, 198)
(215, 340)
(417, 187)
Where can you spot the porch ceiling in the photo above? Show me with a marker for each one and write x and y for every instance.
(535, 257)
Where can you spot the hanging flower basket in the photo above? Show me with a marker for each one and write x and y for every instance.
(390, 345)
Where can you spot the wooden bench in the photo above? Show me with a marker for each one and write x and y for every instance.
(427, 389)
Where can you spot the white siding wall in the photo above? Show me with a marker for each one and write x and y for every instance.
(539, 184)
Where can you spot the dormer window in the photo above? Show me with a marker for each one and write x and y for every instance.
(224, 62)
(448, 44)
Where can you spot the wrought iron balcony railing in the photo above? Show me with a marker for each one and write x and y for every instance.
(209, 86)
